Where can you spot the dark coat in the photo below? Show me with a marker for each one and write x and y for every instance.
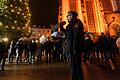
(75, 37)
(32, 46)
(3, 50)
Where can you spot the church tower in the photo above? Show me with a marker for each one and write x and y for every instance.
(93, 13)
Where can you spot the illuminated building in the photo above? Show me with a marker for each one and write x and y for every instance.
(97, 15)
(38, 32)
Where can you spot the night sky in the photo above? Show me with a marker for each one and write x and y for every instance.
(44, 12)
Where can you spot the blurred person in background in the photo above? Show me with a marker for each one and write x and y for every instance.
(3, 54)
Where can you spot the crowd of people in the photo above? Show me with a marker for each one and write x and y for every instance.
(62, 49)
(32, 51)
(103, 50)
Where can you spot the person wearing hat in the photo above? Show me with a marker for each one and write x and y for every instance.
(75, 43)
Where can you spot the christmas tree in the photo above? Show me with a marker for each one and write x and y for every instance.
(15, 18)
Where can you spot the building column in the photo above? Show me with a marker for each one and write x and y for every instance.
(65, 9)
(99, 17)
(79, 9)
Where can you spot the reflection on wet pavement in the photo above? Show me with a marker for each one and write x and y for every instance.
(36, 72)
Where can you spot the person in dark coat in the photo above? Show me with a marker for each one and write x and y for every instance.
(75, 43)
(32, 46)
(12, 51)
(3, 54)
(89, 49)
(48, 50)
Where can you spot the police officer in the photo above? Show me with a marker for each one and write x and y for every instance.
(75, 43)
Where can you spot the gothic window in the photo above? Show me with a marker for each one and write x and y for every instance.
(107, 6)
(73, 5)
(90, 15)
(118, 4)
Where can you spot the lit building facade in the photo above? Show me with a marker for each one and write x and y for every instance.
(38, 32)
(97, 15)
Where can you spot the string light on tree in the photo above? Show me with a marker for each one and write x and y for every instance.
(6, 26)
(15, 13)
(0, 24)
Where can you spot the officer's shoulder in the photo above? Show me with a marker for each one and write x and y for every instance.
(78, 21)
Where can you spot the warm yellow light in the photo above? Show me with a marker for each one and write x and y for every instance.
(24, 16)
(20, 0)
(12, 10)
(5, 15)
(29, 14)
(20, 9)
(26, 4)
(15, 21)
(11, 5)
(29, 31)
(29, 28)
(13, 27)
(27, 7)
(18, 12)
(18, 28)
(22, 13)
(5, 39)
(6, 26)
(0, 24)
(6, 7)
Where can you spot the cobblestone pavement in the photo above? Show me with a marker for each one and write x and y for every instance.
(36, 72)
(54, 71)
